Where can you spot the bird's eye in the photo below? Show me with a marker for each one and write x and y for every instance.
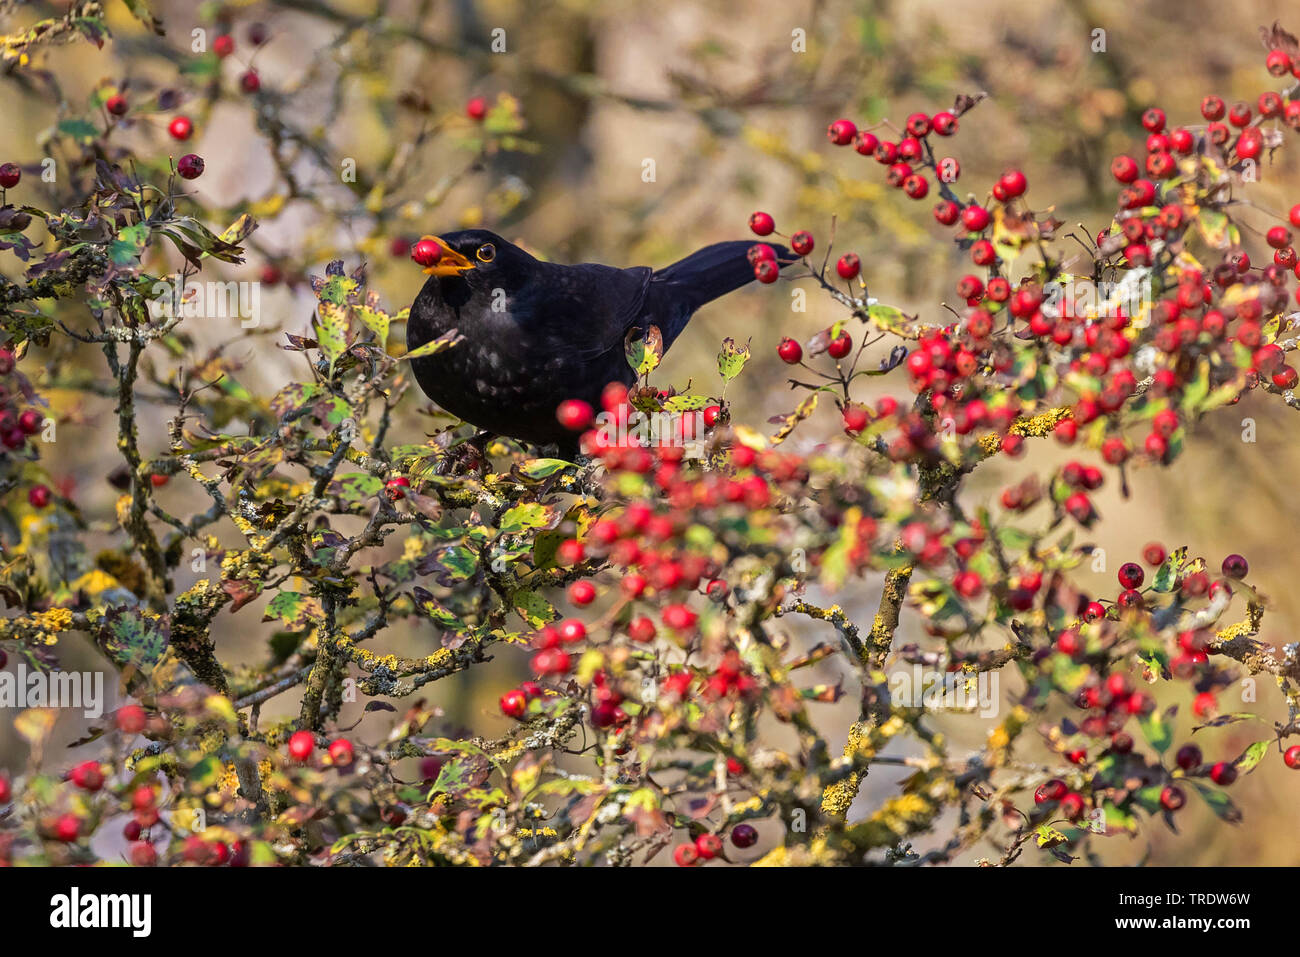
(486, 253)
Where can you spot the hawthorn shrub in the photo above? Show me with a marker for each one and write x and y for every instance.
(652, 585)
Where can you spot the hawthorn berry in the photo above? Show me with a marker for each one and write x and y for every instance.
(250, 82)
(190, 166)
(572, 631)
(341, 753)
(947, 212)
(426, 252)
(848, 265)
(180, 128)
(224, 45)
(708, 846)
(67, 827)
(582, 593)
(10, 174)
(1154, 554)
(866, 143)
(1013, 183)
(686, 855)
(1291, 758)
(840, 346)
(802, 242)
(789, 351)
(1124, 169)
(514, 704)
(1172, 798)
(746, 835)
(575, 414)
(975, 218)
(116, 104)
(841, 132)
(476, 108)
(1235, 566)
(1131, 575)
(855, 419)
(761, 224)
(142, 854)
(38, 496)
(131, 719)
(1072, 806)
(1223, 773)
(88, 776)
(301, 745)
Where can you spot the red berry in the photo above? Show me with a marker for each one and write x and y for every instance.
(641, 629)
(789, 351)
(131, 719)
(514, 704)
(944, 123)
(1188, 757)
(918, 124)
(426, 252)
(841, 133)
(582, 593)
(1223, 773)
(223, 45)
(572, 631)
(855, 419)
(39, 496)
(341, 753)
(745, 835)
(1153, 120)
(802, 242)
(711, 414)
(761, 224)
(1131, 575)
(766, 271)
(708, 846)
(1052, 790)
(250, 82)
(1292, 757)
(88, 776)
(1124, 169)
(575, 414)
(1154, 554)
(840, 346)
(1072, 806)
(685, 855)
(10, 174)
(476, 108)
(301, 745)
(180, 128)
(1212, 108)
(1014, 183)
(1171, 798)
(1285, 378)
(848, 265)
(1278, 63)
(1240, 114)
(67, 827)
(1235, 566)
(975, 218)
(946, 213)
(116, 104)
(190, 166)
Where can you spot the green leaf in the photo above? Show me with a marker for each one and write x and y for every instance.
(1219, 803)
(332, 331)
(1158, 730)
(732, 359)
(296, 610)
(83, 131)
(1252, 756)
(434, 346)
(142, 13)
(886, 317)
(685, 403)
(129, 244)
(644, 353)
(524, 516)
(542, 468)
(533, 608)
(134, 637)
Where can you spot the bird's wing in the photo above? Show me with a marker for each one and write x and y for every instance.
(613, 300)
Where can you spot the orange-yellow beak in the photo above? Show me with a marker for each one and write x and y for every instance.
(450, 263)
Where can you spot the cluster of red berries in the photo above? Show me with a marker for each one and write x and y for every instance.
(707, 847)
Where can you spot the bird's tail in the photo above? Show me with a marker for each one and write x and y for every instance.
(705, 275)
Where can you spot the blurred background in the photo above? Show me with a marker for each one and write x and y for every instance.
(649, 130)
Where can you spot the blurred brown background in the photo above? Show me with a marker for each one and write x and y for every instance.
(733, 119)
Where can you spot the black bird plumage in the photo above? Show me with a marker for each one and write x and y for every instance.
(537, 333)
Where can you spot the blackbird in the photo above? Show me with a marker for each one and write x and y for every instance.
(536, 333)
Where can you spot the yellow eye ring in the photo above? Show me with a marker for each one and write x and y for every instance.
(486, 253)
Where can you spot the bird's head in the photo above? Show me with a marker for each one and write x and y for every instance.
(478, 250)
